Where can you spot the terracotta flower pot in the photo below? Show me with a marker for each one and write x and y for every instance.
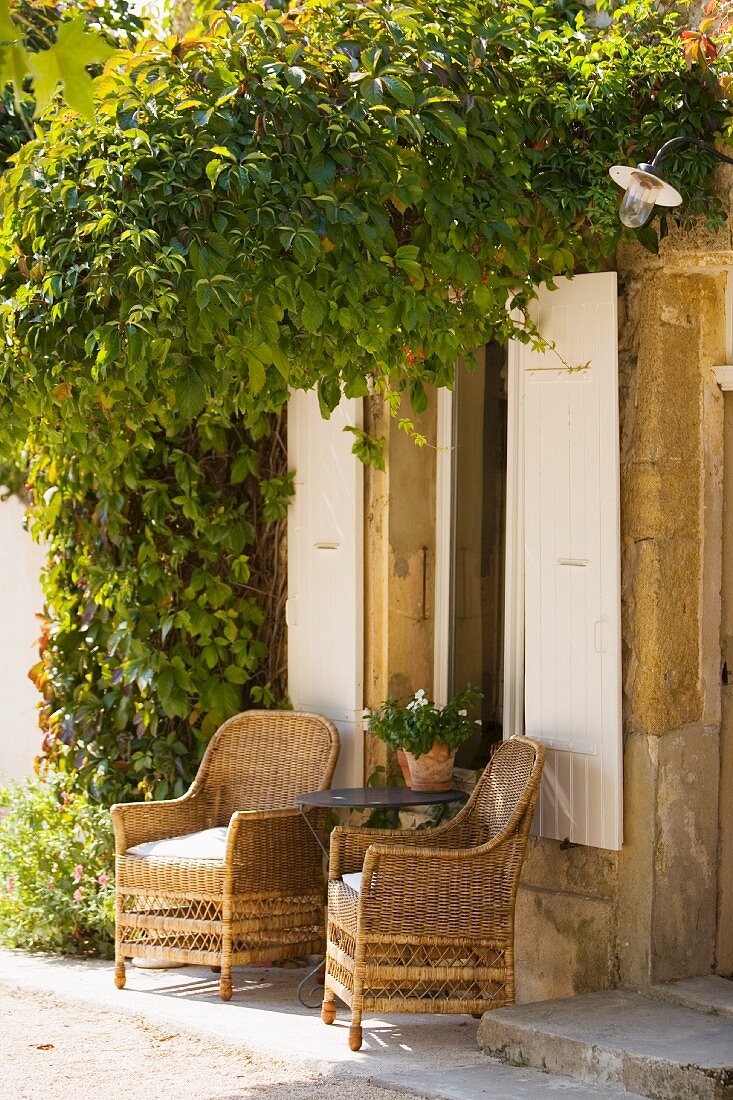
(433, 771)
(404, 766)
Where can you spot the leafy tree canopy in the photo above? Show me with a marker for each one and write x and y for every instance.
(343, 195)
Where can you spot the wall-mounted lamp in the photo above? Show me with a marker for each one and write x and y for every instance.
(646, 187)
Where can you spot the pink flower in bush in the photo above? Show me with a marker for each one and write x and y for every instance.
(78, 872)
(3, 811)
(10, 884)
(102, 879)
(78, 894)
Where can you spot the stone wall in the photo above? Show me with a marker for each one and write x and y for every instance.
(672, 332)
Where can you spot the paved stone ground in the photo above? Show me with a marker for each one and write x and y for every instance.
(67, 1034)
(50, 1048)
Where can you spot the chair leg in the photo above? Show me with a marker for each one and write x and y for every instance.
(357, 996)
(225, 983)
(328, 1008)
(355, 1034)
(225, 979)
(120, 977)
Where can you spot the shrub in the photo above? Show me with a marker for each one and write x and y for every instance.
(56, 868)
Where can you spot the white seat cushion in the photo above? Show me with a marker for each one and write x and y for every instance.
(353, 880)
(209, 844)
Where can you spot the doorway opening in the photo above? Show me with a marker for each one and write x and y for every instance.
(472, 566)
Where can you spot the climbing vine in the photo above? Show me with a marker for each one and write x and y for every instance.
(164, 590)
(344, 196)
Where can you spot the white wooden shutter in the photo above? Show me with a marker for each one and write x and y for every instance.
(572, 603)
(325, 574)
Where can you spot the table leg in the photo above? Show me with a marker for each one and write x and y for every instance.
(316, 987)
(319, 842)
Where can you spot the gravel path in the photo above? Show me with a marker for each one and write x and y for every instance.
(49, 1048)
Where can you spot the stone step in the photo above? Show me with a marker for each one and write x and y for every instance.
(713, 995)
(615, 1038)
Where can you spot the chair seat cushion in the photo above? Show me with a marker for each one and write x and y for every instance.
(353, 881)
(208, 844)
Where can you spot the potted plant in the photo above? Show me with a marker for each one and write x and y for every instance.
(428, 735)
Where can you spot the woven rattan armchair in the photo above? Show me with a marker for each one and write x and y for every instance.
(259, 894)
(428, 926)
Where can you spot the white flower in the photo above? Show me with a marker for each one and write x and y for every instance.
(420, 700)
(478, 721)
(462, 713)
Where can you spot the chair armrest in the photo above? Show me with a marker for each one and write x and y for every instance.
(138, 822)
(274, 849)
(349, 845)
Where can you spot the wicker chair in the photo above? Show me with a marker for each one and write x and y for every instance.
(259, 895)
(428, 926)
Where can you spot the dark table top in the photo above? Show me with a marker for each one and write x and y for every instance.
(374, 797)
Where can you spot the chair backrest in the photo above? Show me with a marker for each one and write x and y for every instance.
(510, 781)
(261, 759)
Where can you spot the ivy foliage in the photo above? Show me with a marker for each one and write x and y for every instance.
(344, 196)
(161, 599)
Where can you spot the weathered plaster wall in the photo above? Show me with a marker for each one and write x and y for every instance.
(399, 565)
(565, 921)
(724, 947)
(20, 568)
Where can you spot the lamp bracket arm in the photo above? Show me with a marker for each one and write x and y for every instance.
(673, 143)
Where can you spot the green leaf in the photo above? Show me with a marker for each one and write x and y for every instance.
(9, 31)
(401, 91)
(64, 63)
(647, 236)
(189, 392)
(418, 397)
(243, 466)
(322, 171)
(14, 68)
(313, 314)
(257, 375)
